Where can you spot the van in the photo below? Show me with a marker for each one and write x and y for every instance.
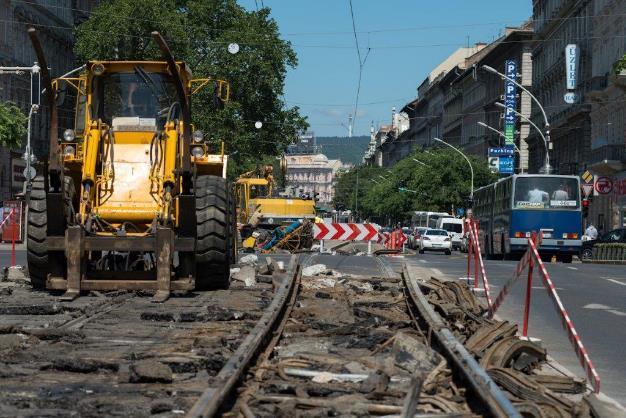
(455, 228)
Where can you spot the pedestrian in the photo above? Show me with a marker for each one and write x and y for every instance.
(591, 232)
(560, 193)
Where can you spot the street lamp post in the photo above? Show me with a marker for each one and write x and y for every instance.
(469, 209)
(491, 128)
(546, 168)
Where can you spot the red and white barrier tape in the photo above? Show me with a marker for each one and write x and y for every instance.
(567, 323)
(7, 218)
(521, 265)
(479, 259)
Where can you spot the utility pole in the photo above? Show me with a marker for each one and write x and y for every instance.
(35, 95)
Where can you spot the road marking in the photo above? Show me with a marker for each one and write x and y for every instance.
(573, 268)
(615, 281)
(543, 287)
(422, 261)
(601, 307)
(596, 306)
(437, 272)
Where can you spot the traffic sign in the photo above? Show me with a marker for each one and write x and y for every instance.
(494, 164)
(587, 189)
(506, 165)
(604, 185)
(345, 232)
(587, 177)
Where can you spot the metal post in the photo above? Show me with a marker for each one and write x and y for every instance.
(476, 255)
(12, 214)
(74, 249)
(369, 247)
(529, 285)
(164, 245)
(321, 246)
(470, 254)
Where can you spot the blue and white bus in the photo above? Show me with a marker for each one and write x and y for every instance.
(510, 209)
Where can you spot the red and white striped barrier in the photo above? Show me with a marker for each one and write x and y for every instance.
(345, 232)
(7, 217)
(474, 253)
(531, 259)
(393, 239)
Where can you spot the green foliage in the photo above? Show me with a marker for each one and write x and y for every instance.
(620, 65)
(199, 32)
(13, 124)
(444, 184)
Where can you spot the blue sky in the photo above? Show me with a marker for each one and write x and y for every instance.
(408, 38)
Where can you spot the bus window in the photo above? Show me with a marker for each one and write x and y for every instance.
(546, 193)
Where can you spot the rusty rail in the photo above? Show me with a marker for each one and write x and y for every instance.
(212, 398)
(487, 391)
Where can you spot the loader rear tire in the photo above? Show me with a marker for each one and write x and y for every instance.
(42, 262)
(215, 239)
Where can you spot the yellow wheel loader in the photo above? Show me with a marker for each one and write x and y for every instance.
(131, 198)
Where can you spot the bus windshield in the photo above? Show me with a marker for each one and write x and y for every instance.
(546, 193)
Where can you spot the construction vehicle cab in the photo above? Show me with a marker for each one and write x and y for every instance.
(132, 197)
(258, 205)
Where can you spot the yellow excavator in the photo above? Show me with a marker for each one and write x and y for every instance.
(132, 197)
(258, 205)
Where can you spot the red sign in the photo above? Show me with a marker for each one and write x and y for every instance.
(604, 185)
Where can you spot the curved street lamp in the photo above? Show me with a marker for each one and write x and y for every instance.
(546, 165)
(546, 138)
(469, 210)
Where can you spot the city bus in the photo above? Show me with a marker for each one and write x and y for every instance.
(510, 209)
(427, 219)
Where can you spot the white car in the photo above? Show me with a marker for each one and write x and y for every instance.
(435, 240)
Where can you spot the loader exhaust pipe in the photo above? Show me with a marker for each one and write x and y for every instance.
(183, 98)
(54, 165)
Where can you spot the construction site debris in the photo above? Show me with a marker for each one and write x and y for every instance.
(150, 371)
(314, 270)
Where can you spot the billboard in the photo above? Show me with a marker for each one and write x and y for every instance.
(502, 160)
(510, 100)
(571, 66)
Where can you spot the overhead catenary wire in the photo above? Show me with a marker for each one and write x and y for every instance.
(95, 12)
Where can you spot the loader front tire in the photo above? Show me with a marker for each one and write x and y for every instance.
(215, 239)
(42, 262)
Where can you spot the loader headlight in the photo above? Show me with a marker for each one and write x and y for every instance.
(69, 151)
(98, 69)
(197, 136)
(197, 151)
(68, 135)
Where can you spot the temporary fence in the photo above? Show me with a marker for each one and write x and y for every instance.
(532, 259)
(474, 254)
(393, 240)
(10, 221)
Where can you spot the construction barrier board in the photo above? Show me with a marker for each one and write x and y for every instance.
(345, 232)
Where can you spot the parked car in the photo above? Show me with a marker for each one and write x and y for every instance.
(614, 236)
(435, 240)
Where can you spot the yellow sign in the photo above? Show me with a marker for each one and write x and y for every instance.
(587, 177)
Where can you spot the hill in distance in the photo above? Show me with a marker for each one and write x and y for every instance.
(348, 150)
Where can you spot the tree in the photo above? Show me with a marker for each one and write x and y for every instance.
(13, 124)
(442, 185)
(199, 32)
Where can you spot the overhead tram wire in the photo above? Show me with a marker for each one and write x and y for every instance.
(373, 31)
(361, 65)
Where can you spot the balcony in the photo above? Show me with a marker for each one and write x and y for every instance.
(608, 159)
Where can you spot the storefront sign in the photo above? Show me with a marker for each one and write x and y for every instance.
(510, 100)
(572, 53)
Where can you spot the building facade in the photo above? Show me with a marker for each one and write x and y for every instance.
(55, 21)
(312, 175)
(607, 155)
